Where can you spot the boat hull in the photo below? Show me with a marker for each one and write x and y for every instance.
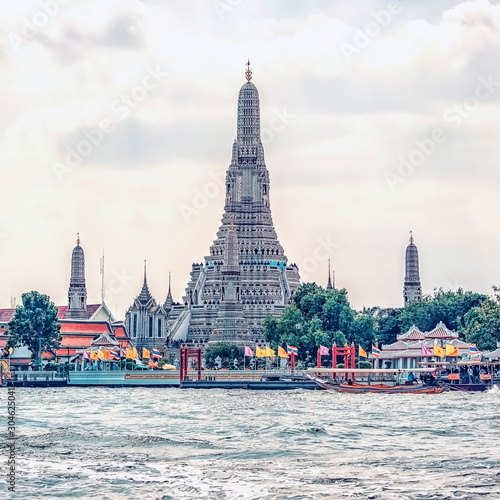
(381, 389)
(376, 388)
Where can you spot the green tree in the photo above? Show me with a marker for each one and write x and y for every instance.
(226, 351)
(35, 325)
(315, 317)
(482, 325)
(446, 306)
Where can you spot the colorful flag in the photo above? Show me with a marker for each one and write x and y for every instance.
(451, 351)
(282, 353)
(248, 351)
(156, 353)
(135, 355)
(93, 356)
(113, 354)
(323, 351)
(426, 351)
(473, 349)
(129, 354)
(438, 351)
(362, 352)
(123, 353)
(100, 354)
(86, 355)
(145, 353)
(260, 353)
(269, 352)
(375, 351)
(107, 355)
(290, 349)
(10, 350)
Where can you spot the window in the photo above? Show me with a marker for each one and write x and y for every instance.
(134, 329)
(159, 328)
(151, 326)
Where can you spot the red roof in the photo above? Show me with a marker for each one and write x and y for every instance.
(6, 315)
(77, 340)
(59, 352)
(76, 326)
(119, 332)
(20, 361)
(91, 309)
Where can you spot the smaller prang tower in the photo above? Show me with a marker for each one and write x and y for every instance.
(77, 293)
(412, 289)
(230, 325)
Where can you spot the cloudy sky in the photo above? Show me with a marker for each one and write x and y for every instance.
(379, 117)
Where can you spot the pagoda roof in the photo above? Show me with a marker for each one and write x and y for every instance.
(397, 346)
(104, 341)
(441, 332)
(493, 354)
(412, 334)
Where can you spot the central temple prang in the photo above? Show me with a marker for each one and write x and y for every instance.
(246, 275)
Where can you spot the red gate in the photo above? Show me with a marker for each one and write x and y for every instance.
(187, 353)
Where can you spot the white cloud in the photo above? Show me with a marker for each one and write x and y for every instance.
(352, 119)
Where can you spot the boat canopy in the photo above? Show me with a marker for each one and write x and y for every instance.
(370, 370)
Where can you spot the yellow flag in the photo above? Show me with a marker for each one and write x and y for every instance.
(362, 352)
(269, 352)
(145, 353)
(282, 353)
(10, 350)
(128, 353)
(134, 353)
(100, 354)
(260, 353)
(438, 351)
(93, 356)
(451, 351)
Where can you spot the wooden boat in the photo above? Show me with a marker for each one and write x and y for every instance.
(354, 387)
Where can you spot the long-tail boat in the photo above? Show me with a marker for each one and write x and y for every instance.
(369, 380)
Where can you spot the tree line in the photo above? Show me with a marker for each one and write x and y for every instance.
(321, 317)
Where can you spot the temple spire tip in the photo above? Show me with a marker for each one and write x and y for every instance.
(77, 238)
(248, 72)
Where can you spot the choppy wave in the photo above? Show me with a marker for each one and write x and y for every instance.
(172, 444)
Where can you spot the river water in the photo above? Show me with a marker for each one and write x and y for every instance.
(194, 444)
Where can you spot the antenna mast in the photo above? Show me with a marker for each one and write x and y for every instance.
(103, 291)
